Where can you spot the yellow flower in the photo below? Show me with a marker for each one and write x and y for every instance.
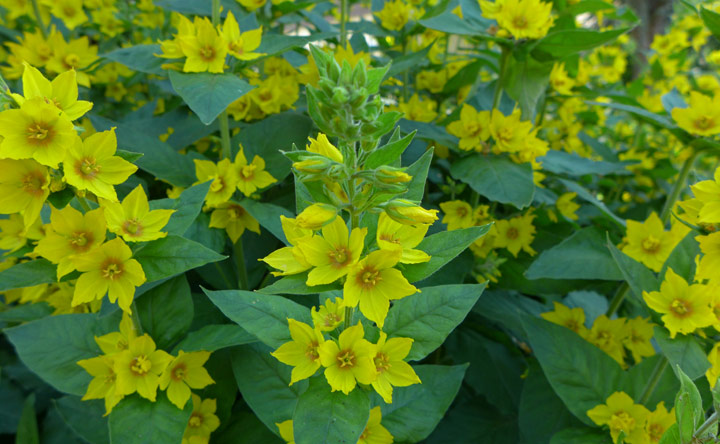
(713, 373)
(290, 260)
(709, 263)
(286, 431)
(322, 146)
(572, 318)
(648, 242)
(621, 414)
(37, 130)
(516, 234)
(458, 214)
(24, 186)
(640, 332)
(349, 360)
(234, 219)
(202, 422)
(14, 234)
(524, 19)
(418, 110)
(69, 11)
(684, 307)
(302, 353)
(71, 234)
(559, 79)
(702, 117)
(394, 15)
(139, 367)
(473, 128)
(91, 165)
(118, 341)
(393, 235)
(224, 177)
(408, 213)
(510, 133)
(76, 54)
(708, 192)
(373, 282)
(184, 372)
(658, 422)
(241, 45)
(251, 177)
(330, 315)
(252, 5)
(205, 50)
(566, 206)
(104, 382)
(332, 255)
(61, 92)
(108, 269)
(316, 216)
(374, 432)
(391, 369)
(608, 335)
(132, 219)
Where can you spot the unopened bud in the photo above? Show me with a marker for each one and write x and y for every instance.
(386, 174)
(408, 213)
(316, 216)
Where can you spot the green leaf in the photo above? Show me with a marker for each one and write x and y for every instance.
(682, 258)
(561, 162)
(389, 153)
(27, 274)
(583, 255)
(671, 435)
(136, 420)
(215, 337)
(430, 316)
(85, 418)
(60, 199)
(322, 416)
(51, 347)
(561, 44)
(497, 178)
(166, 311)
(442, 248)
(689, 411)
(673, 99)
(683, 352)
(526, 83)
(452, 24)
(27, 431)
(577, 435)
(139, 58)
(245, 428)
(655, 119)
(416, 410)
(638, 376)
(712, 20)
(187, 207)
(264, 316)
(584, 194)
(589, 6)
(408, 61)
(295, 284)
(582, 375)
(638, 276)
(173, 255)
(208, 94)
(25, 312)
(265, 384)
(127, 155)
(268, 215)
(418, 171)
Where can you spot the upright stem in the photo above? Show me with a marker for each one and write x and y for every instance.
(215, 12)
(617, 299)
(38, 18)
(504, 56)
(240, 262)
(224, 135)
(711, 421)
(343, 22)
(677, 188)
(654, 380)
(136, 318)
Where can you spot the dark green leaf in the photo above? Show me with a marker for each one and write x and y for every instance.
(689, 411)
(526, 82)
(215, 337)
(637, 275)
(642, 113)
(561, 162)
(85, 418)
(208, 94)
(187, 207)
(682, 258)
(408, 61)
(497, 178)
(27, 431)
(419, 172)
(268, 215)
(128, 155)
(139, 58)
(25, 312)
(388, 154)
(173, 255)
(278, 43)
(567, 42)
(683, 351)
(712, 21)
(136, 420)
(166, 311)
(583, 435)
(584, 194)
(27, 274)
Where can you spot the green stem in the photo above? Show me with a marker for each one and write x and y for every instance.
(406, 73)
(712, 420)
(541, 115)
(343, 22)
(240, 262)
(215, 12)
(504, 57)
(224, 135)
(136, 318)
(654, 380)
(223, 275)
(349, 313)
(38, 18)
(617, 299)
(677, 188)
(83, 204)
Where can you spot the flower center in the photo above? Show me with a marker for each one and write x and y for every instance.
(69, 11)
(572, 324)
(178, 373)
(382, 362)
(207, 53)
(87, 168)
(656, 432)
(236, 46)
(110, 376)
(39, 133)
(111, 270)
(133, 227)
(680, 308)
(651, 244)
(217, 185)
(140, 365)
(703, 123)
(520, 21)
(368, 277)
(247, 172)
(81, 241)
(388, 237)
(512, 233)
(33, 183)
(196, 420)
(312, 352)
(331, 319)
(346, 359)
(622, 421)
(72, 60)
(462, 212)
(236, 211)
(339, 257)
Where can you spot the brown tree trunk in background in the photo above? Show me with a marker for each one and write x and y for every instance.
(654, 18)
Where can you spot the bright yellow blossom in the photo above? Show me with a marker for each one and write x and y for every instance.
(509, 132)
(139, 367)
(409, 213)
(240, 45)
(713, 373)
(69, 11)
(289, 260)
(640, 332)
(391, 369)
(458, 214)
(608, 335)
(472, 129)
(61, 92)
(133, 220)
(392, 235)
(252, 5)
(285, 429)
(374, 432)
(621, 414)
(566, 206)
(75, 54)
(24, 186)
(649, 243)
(117, 341)
(524, 19)
(251, 177)
(702, 117)
(234, 219)
(302, 353)
(516, 234)
(658, 422)
(14, 234)
(104, 382)
(330, 315)
(202, 422)
(708, 193)
(417, 109)
(205, 51)
(224, 177)
(395, 14)
(560, 81)
(349, 360)
(572, 318)
(184, 372)
(322, 146)
(316, 216)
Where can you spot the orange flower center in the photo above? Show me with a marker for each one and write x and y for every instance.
(69, 11)
(622, 421)
(382, 362)
(346, 359)
(247, 173)
(339, 257)
(39, 133)
(196, 420)
(110, 376)
(236, 46)
(140, 365)
(572, 324)
(331, 319)
(217, 185)
(178, 373)
(368, 277)
(651, 244)
(512, 233)
(111, 269)
(462, 212)
(87, 168)
(703, 123)
(680, 308)
(81, 241)
(133, 227)
(312, 352)
(236, 211)
(71, 61)
(207, 53)
(33, 183)
(656, 432)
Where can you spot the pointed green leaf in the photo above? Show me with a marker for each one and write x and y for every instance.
(173, 255)
(497, 177)
(136, 420)
(208, 94)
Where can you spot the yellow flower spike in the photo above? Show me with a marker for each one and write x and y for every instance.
(349, 360)
(572, 318)
(516, 234)
(708, 192)
(184, 372)
(133, 220)
(289, 260)
(472, 129)
(393, 235)
(395, 15)
(241, 45)
(332, 255)
(204, 51)
(302, 353)
(316, 216)
(685, 308)
(202, 422)
(251, 177)
(374, 432)
(658, 422)
(108, 269)
(566, 206)
(62, 92)
(649, 243)
(71, 234)
(104, 382)
(391, 369)
(285, 429)
(329, 316)
(702, 117)
(408, 213)
(322, 146)
(224, 177)
(37, 130)
(621, 414)
(139, 367)
(640, 332)
(234, 219)
(118, 341)
(92, 165)
(458, 214)
(372, 283)
(608, 335)
(24, 186)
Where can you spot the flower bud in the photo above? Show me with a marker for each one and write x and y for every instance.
(408, 213)
(387, 174)
(316, 216)
(313, 165)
